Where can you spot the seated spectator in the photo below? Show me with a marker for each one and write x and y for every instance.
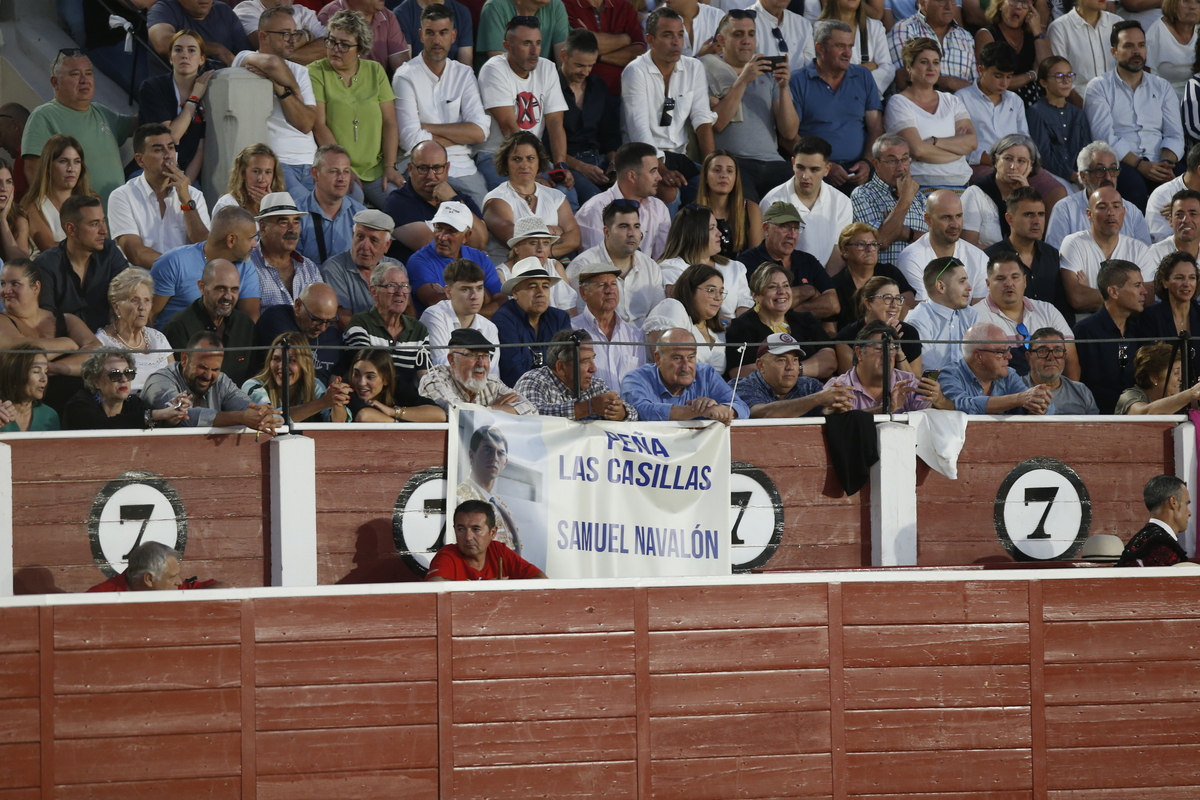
(456, 38)
(474, 556)
(61, 173)
(1175, 283)
(386, 326)
(619, 36)
(23, 320)
(174, 99)
(14, 226)
(1153, 392)
(983, 382)
(695, 305)
(356, 105)
(865, 377)
(282, 271)
(591, 122)
(600, 289)
(677, 387)
(823, 212)
(891, 202)
(1149, 138)
(24, 375)
(659, 113)
(231, 237)
(754, 107)
(782, 32)
(1008, 308)
(294, 108)
(640, 282)
(637, 178)
(130, 296)
(497, 15)
(531, 238)
(1157, 543)
(521, 92)
(1106, 367)
(158, 210)
(859, 245)
(1171, 44)
(464, 298)
(1083, 253)
(776, 387)
(739, 220)
(379, 397)
(527, 318)
(995, 111)
(349, 272)
(217, 25)
(451, 229)
(1097, 168)
(519, 160)
(308, 396)
(871, 48)
(314, 314)
(939, 140)
(552, 387)
(100, 130)
(217, 402)
(1015, 161)
(700, 21)
(1025, 215)
(465, 378)
(255, 173)
(214, 312)
(1009, 21)
(306, 34)
(76, 273)
(415, 204)
(1059, 129)
(837, 102)
(945, 315)
(1047, 355)
(934, 21)
(383, 44)
(107, 401)
(1082, 36)
(1158, 207)
(152, 566)
(1184, 214)
(880, 300)
(944, 216)
(437, 100)
(695, 239)
(772, 311)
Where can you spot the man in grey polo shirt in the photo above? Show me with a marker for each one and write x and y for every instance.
(1046, 355)
(349, 272)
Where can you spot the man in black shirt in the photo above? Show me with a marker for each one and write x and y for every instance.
(76, 272)
(813, 289)
(592, 119)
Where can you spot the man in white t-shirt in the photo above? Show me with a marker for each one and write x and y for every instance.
(294, 109)
(465, 296)
(158, 210)
(521, 92)
(1082, 253)
(944, 216)
(1183, 213)
(823, 211)
(311, 46)
(437, 99)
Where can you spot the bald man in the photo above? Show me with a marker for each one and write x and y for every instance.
(215, 311)
(676, 387)
(1082, 253)
(944, 216)
(984, 383)
(314, 314)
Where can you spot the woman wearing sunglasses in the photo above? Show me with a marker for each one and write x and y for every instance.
(106, 403)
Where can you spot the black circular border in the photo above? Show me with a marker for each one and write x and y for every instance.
(764, 480)
(1085, 503)
(418, 479)
(112, 487)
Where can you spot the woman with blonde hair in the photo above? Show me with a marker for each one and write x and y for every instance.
(130, 295)
(739, 220)
(254, 175)
(61, 173)
(307, 394)
(859, 246)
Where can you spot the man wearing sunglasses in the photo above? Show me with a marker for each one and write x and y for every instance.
(315, 315)
(1047, 354)
(983, 382)
(1098, 167)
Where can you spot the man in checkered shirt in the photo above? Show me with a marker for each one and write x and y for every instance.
(552, 388)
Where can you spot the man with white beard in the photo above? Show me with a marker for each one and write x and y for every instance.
(465, 378)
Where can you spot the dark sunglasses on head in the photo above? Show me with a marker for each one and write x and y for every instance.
(743, 13)
(623, 204)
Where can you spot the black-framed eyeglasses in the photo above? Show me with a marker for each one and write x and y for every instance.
(1046, 351)
(1114, 170)
(888, 299)
(743, 13)
(425, 169)
(780, 42)
(624, 205)
(118, 375)
(338, 46)
(664, 121)
(316, 320)
(288, 36)
(394, 288)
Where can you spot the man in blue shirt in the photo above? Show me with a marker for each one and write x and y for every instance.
(451, 229)
(839, 102)
(777, 389)
(675, 387)
(327, 227)
(983, 383)
(528, 319)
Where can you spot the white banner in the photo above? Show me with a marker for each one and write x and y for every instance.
(597, 499)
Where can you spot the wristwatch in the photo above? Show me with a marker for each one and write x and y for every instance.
(287, 92)
(187, 206)
(149, 419)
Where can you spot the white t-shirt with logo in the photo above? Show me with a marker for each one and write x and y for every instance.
(531, 98)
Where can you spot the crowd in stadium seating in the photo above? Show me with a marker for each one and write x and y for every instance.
(463, 204)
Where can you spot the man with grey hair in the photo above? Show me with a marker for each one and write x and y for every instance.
(349, 272)
(839, 102)
(1157, 543)
(1098, 166)
(283, 271)
(983, 382)
(891, 202)
(100, 130)
(214, 311)
(465, 377)
(385, 326)
(675, 387)
(1047, 356)
(152, 566)
(552, 387)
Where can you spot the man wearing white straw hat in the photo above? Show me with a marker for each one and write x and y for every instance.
(531, 237)
(527, 319)
(283, 271)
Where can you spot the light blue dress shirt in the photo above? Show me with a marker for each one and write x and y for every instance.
(960, 385)
(1143, 122)
(935, 321)
(644, 390)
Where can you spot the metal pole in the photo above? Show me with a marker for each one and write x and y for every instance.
(887, 373)
(285, 379)
(575, 356)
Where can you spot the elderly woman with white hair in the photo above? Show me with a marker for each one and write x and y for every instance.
(130, 295)
(385, 326)
(106, 401)
(1016, 162)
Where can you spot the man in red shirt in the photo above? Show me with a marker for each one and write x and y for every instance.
(474, 556)
(152, 567)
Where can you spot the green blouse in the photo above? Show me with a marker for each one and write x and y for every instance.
(352, 113)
